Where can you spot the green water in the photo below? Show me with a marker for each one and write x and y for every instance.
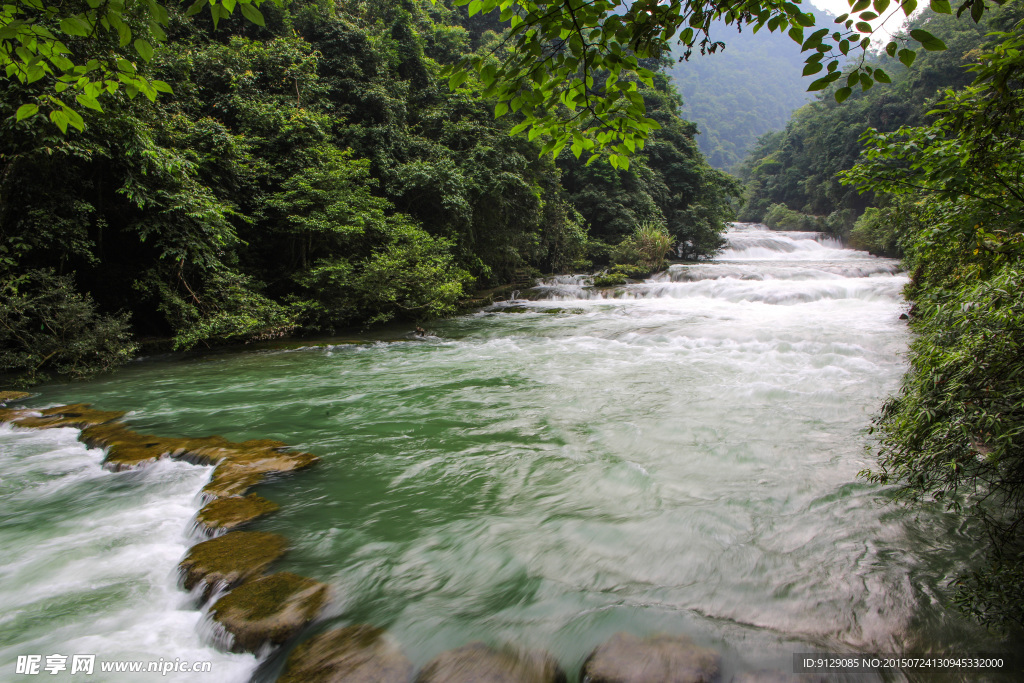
(681, 456)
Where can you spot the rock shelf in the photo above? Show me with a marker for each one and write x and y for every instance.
(259, 609)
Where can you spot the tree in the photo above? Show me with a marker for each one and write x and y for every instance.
(572, 67)
(955, 431)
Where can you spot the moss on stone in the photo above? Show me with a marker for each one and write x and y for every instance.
(6, 396)
(225, 514)
(246, 468)
(12, 414)
(269, 609)
(354, 654)
(230, 559)
(78, 415)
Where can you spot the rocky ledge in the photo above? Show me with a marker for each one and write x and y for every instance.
(269, 610)
(228, 560)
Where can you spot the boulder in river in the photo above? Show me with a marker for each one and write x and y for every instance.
(478, 663)
(227, 514)
(270, 609)
(353, 654)
(626, 658)
(230, 559)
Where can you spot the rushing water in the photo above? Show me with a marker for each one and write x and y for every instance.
(679, 455)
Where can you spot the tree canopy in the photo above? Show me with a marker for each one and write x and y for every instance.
(571, 67)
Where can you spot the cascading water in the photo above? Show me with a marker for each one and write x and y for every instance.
(678, 455)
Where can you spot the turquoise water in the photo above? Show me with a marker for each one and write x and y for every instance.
(679, 455)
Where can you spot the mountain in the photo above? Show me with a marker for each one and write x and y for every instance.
(743, 91)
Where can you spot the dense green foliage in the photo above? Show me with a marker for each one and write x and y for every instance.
(955, 432)
(308, 173)
(797, 168)
(747, 89)
(562, 56)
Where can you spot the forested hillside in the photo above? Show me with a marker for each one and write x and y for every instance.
(303, 176)
(930, 168)
(790, 176)
(739, 93)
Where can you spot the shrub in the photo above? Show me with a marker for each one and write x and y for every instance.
(648, 246)
(46, 326)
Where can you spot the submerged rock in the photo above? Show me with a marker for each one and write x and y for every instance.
(626, 658)
(226, 514)
(478, 663)
(230, 559)
(354, 654)
(78, 415)
(270, 609)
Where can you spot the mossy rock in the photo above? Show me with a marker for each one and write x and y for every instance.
(230, 559)
(478, 663)
(12, 414)
(626, 658)
(6, 396)
(226, 514)
(609, 280)
(235, 475)
(78, 415)
(354, 654)
(270, 609)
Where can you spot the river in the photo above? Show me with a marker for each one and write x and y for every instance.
(679, 455)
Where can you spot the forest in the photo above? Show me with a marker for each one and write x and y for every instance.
(307, 175)
(930, 169)
(317, 166)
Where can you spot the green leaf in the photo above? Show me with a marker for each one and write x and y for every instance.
(195, 8)
(457, 79)
(864, 27)
(160, 86)
(60, 119)
(927, 40)
(250, 12)
(908, 7)
(75, 26)
(977, 9)
(25, 111)
(813, 68)
(87, 101)
(881, 5)
(907, 57)
(890, 49)
(823, 82)
(843, 93)
(941, 6)
(882, 77)
(860, 6)
(500, 109)
(144, 49)
(474, 6)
